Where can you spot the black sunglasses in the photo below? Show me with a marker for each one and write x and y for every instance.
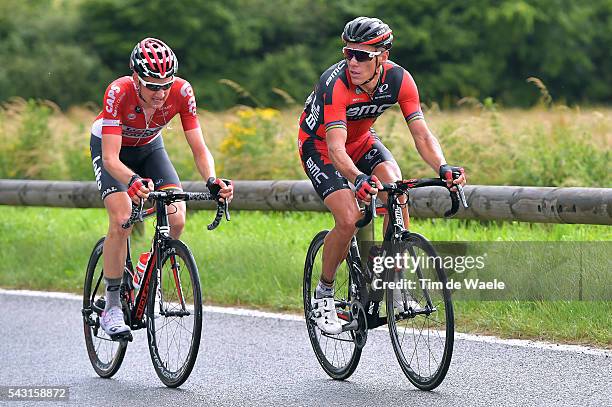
(156, 86)
(360, 55)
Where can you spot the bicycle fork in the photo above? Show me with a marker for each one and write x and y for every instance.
(179, 291)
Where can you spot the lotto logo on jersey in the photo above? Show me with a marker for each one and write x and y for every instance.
(363, 111)
(187, 91)
(110, 100)
(97, 172)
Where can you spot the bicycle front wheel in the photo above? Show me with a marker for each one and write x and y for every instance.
(174, 314)
(337, 354)
(421, 324)
(104, 354)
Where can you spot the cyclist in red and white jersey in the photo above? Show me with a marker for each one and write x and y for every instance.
(129, 158)
(337, 143)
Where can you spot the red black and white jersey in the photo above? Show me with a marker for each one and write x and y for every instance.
(337, 102)
(123, 115)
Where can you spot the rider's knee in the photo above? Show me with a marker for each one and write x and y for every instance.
(115, 226)
(345, 223)
(177, 220)
(388, 171)
(177, 224)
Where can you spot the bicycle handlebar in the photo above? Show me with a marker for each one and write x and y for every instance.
(402, 187)
(167, 197)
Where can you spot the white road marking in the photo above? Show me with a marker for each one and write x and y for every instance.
(290, 317)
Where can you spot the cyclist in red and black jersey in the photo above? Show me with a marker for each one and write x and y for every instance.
(126, 145)
(337, 143)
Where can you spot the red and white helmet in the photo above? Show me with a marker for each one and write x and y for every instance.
(152, 57)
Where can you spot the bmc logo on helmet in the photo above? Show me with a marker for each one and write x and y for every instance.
(366, 110)
(110, 100)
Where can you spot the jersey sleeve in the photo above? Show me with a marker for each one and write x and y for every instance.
(188, 112)
(111, 112)
(334, 107)
(408, 99)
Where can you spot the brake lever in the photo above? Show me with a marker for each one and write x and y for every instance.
(226, 210)
(462, 196)
(373, 206)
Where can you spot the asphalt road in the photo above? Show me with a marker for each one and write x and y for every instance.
(246, 360)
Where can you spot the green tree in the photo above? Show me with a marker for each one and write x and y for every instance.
(41, 58)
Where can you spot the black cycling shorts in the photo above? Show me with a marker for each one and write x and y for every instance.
(148, 161)
(367, 153)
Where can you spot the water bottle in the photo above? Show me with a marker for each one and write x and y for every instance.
(141, 266)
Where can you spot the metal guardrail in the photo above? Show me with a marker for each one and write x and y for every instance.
(503, 203)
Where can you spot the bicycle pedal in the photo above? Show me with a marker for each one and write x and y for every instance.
(351, 326)
(122, 337)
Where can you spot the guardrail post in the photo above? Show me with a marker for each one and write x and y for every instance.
(139, 229)
(366, 233)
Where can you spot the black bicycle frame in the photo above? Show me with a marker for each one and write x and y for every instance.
(158, 247)
(394, 233)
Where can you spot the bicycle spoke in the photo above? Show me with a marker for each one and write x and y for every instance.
(175, 323)
(336, 353)
(421, 340)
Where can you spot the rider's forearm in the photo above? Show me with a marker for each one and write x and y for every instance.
(204, 160)
(343, 163)
(430, 150)
(336, 149)
(205, 163)
(111, 147)
(118, 170)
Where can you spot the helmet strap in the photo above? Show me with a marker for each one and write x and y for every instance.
(373, 75)
(138, 87)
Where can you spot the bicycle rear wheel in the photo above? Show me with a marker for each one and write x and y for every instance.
(174, 315)
(337, 354)
(104, 354)
(421, 323)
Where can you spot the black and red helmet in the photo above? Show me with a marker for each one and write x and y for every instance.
(152, 57)
(368, 31)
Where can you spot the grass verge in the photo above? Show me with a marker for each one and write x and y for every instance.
(257, 261)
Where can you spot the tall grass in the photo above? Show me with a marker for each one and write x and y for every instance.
(39, 141)
(557, 146)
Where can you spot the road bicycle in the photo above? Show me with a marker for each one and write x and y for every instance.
(417, 308)
(168, 304)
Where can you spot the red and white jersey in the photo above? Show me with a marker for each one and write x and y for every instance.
(123, 115)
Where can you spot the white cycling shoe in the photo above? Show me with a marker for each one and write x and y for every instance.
(324, 314)
(403, 301)
(112, 322)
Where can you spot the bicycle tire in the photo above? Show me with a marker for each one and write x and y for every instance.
(104, 354)
(412, 359)
(343, 369)
(165, 296)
